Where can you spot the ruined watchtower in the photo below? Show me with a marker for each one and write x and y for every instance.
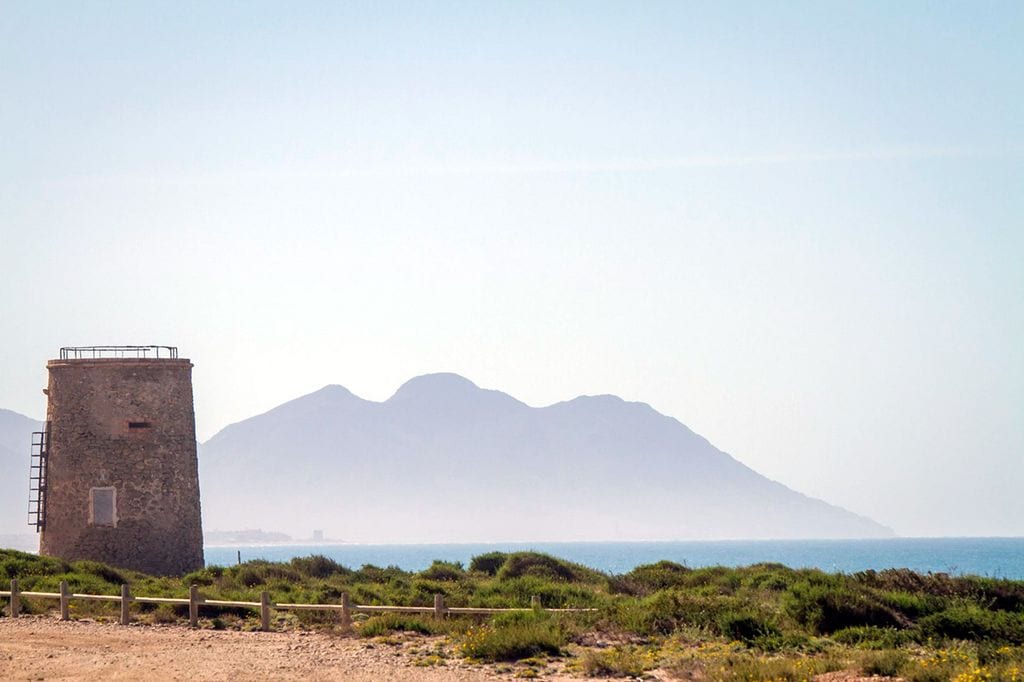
(116, 475)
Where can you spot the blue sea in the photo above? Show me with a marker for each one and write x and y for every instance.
(992, 557)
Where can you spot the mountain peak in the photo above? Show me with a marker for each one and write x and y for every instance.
(439, 385)
(335, 391)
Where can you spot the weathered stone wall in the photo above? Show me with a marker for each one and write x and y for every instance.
(126, 424)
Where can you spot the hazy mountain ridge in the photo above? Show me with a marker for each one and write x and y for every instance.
(15, 448)
(444, 460)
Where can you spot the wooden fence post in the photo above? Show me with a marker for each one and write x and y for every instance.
(346, 609)
(15, 598)
(534, 602)
(64, 595)
(126, 599)
(264, 611)
(193, 606)
(439, 609)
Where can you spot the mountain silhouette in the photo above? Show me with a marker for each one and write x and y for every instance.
(443, 460)
(15, 448)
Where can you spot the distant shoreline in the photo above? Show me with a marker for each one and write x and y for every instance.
(992, 557)
(998, 557)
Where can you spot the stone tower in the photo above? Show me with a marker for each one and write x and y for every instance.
(120, 481)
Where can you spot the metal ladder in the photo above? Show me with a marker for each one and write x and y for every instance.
(37, 479)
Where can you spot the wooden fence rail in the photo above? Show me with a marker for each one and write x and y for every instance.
(264, 605)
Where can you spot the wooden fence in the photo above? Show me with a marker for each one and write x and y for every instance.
(264, 605)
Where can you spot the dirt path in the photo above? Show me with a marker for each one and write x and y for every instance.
(43, 648)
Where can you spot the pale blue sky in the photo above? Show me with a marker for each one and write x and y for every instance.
(796, 227)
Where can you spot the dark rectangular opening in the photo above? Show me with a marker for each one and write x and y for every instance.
(139, 425)
(103, 506)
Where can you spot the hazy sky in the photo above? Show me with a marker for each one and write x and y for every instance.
(796, 227)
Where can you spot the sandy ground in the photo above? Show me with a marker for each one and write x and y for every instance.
(44, 648)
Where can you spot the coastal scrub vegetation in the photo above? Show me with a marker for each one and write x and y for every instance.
(764, 621)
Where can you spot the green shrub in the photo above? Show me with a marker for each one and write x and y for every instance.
(534, 564)
(250, 577)
(514, 640)
(912, 605)
(617, 662)
(1001, 595)
(769, 576)
(376, 574)
(325, 594)
(940, 585)
(870, 637)
(660, 614)
(387, 623)
(15, 564)
(203, 577)
(332, 620)
(84, 583)
(747, 668)
(319, 566)
(516, 593)
(667, 611)
(260, 572)
(884, 664)
(165, 613)
(971, 622)
(713, 580)
(955, 663)
(658, 576)
(369, 594)
(746, 627)
(489, 563)
(101, 571)
(826, 608)
(940, 674)
(423, 592)
(444, 571)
